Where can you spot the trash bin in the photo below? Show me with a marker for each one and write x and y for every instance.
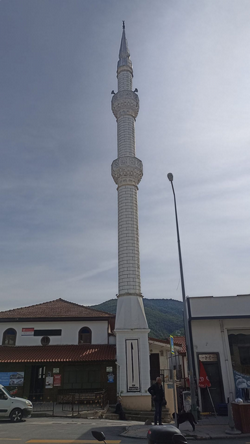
(167, 434)
(241, 415)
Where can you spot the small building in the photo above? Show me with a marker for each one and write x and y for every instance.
(168, 366)
(220, 335)
(57, 348)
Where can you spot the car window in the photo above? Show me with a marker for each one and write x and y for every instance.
(2, 395)
(4, 390)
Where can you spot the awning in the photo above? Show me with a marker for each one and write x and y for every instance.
(58, 353)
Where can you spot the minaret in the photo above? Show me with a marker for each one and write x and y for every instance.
(131, 326)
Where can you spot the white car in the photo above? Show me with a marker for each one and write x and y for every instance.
(12, 407)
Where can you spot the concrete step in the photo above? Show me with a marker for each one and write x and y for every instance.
(165, 420)
(148, 412)
(112, 416)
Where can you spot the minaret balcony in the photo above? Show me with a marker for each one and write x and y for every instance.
(127, 170)
(125, 103)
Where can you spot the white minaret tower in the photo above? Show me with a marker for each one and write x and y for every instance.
(131, 326)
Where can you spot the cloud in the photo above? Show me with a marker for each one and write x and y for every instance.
(58, 225)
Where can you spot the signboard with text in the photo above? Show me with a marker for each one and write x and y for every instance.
(28, 331)
(208, 357)
(57, 379)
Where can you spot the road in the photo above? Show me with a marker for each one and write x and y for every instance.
(60, 431)
(77, 431)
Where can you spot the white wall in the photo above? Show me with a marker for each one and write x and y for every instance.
(155, 347)
(211, 336)
(69, 329)
(220, 306)
(144, 366)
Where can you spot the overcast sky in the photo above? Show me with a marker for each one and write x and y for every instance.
(58, 217)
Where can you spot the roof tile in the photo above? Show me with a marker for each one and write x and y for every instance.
(181, 340)
(58, 353)
(59, 308)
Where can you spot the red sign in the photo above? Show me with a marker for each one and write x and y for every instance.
(27, 331)
(57, 380)
(203, 379)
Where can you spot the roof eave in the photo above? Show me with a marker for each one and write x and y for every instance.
(57, 319)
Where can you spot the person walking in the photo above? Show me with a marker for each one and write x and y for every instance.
(158, 395)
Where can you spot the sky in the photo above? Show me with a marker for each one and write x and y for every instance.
(58, 218)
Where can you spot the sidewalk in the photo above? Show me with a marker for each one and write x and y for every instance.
(207, 428)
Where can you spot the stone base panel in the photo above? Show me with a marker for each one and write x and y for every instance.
(136, 402)
(130, 314)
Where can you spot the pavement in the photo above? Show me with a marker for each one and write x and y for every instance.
(207, 428)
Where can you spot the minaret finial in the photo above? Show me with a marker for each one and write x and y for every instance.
(124, 56)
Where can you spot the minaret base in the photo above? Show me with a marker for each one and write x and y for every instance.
(136, 402)
(133, 379)
(130, 313)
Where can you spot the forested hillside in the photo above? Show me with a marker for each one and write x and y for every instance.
(165, 316)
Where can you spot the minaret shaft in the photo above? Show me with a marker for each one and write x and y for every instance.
(126, 136)
(128, 241)
(131, 326)
(124, 81)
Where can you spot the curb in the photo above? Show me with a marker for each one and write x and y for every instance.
(190, 437)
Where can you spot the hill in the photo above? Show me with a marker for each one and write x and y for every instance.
(165, 316)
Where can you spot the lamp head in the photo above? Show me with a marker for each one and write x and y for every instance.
(170, 177)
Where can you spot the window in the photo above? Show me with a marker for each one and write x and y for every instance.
(3, 395)
(9, 337)
(82, 377)
(45, 340)
(239, 344)
(84, 336)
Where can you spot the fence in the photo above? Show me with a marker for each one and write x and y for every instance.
(70, 403)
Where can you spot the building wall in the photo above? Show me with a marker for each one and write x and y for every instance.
(70, 330)
(215, 306)
(211, 336)
(164, 353)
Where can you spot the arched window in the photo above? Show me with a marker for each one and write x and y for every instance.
(85, 336)
(9, 337)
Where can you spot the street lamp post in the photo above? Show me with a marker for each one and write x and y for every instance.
(188, 343)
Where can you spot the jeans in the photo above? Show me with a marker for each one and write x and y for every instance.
(158, 408)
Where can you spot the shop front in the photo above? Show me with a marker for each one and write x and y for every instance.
(67, 374)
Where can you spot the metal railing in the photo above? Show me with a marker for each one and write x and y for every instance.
(70, 403)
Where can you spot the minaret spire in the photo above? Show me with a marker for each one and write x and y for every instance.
(124, 54)
(131, 326)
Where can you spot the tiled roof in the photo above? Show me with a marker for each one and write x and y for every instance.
(181, 340)
(57, 309)
(58, 353)
(163, 341)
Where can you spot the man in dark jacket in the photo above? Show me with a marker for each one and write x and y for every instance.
(157, 392)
